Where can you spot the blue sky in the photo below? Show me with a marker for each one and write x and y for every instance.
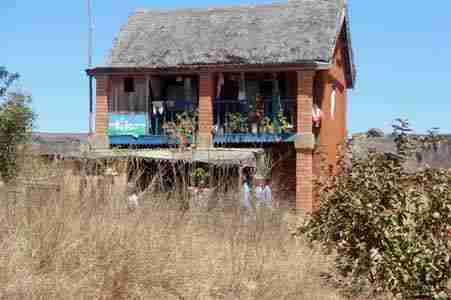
(402, 49)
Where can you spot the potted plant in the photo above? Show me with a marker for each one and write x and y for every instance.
(183, 128)
(199, 177)
(236, 122)
(266, 125)
(284, 125)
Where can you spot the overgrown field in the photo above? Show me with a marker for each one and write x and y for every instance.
(60, 243)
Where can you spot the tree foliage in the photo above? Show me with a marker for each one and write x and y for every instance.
(388, 225)
(16, 119)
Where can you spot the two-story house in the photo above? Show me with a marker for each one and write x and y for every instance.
(271, 76)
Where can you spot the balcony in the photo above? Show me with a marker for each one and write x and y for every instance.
(264, 121)
(248, 108)
(148, 129)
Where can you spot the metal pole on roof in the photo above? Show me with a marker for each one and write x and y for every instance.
(90, 43)
(90, 33)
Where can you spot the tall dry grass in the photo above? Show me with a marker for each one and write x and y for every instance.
(64, 244)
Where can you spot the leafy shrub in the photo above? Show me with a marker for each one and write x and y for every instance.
(199, 176)
(389, 226)
(16, 118)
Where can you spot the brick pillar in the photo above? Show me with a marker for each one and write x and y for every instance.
(101, 105)
(206, 93)
(305, 142)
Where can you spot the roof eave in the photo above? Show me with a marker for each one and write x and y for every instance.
(351, 74)
(307, 65)
(343, 26)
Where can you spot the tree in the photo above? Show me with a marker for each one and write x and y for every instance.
(16, 121)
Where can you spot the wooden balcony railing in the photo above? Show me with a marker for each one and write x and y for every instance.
(273, 116)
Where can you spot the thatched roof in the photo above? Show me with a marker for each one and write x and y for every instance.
(299, 31)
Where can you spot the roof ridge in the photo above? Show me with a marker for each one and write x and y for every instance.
(289, 32)
(276, 4)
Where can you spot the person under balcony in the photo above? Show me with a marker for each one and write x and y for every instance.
(263, 193)
(245, 202)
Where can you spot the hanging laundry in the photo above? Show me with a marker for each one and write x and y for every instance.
(317, 115)
(242, 88)
(155, 84)
(275, 101)
(220, 84)
(188, 90)
(333, 102)
(158, 107)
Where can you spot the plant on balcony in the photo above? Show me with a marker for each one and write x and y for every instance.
(266, 125)
(284, 125)
(183, 128)
(237, 123)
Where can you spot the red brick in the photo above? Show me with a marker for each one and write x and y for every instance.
(304, 158)
(101, 120)
(333, 130)
(206, 93)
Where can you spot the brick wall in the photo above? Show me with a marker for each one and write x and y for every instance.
(206, 92)
(304, 155)
(333, 129)
(101, 117)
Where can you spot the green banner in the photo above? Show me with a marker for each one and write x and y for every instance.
(127, 124)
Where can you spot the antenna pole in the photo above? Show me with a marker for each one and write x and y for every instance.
(90, 42)
(91, 29)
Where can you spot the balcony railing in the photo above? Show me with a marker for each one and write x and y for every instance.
(239, 122)
(235, 122)
(128, 128)
(226, 113)
(163, 112)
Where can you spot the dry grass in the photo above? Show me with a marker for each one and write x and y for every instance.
(63, 245)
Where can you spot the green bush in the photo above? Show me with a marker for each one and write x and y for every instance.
(389, 226)
(16, 119)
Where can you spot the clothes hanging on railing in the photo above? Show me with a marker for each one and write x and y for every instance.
(333, 102)
(317, 115)
(158, 111)
(188, 89)
(276, 105)
(155, 84)
(219, 86)
(242, 88)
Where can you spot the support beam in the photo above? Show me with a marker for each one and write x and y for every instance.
(101, 105)
(305, 142)
(91, 106)
(206, 93)
(99, 140)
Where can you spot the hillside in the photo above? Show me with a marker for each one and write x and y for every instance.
(439, 158)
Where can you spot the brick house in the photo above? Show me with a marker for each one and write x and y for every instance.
(256, 76)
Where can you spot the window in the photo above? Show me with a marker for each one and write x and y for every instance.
(129, 85)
